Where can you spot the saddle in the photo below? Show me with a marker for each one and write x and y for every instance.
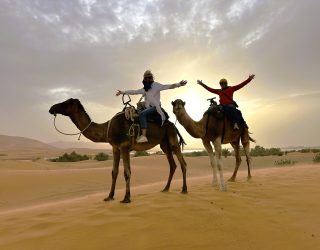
(215, 110)
(221, 113)
(132, 114)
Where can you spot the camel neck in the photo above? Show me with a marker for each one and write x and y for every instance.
(95, 132)
(195, 128)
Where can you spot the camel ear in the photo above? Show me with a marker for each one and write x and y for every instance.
(172, 103)
(184, 103)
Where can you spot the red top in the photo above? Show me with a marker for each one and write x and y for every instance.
(224, 100)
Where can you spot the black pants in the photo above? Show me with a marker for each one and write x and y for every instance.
(233, 114)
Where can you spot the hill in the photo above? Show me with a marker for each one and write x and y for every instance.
(14, 143)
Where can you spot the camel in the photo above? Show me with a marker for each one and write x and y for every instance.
(218, 130)
(115, 132)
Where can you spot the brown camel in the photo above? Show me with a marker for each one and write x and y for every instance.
(212, 128)
(115, 132)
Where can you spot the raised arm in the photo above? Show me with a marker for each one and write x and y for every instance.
(215, 91)
(244, 83)
(172, 86)
(131, 92)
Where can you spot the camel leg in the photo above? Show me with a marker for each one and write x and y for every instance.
(165, 148)
(183, 165)
(218, 152)
(127, 173)
(115, 171)
(236, 148)
(246, 146)
(209, 149)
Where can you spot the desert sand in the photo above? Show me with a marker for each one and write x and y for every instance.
(46, 205)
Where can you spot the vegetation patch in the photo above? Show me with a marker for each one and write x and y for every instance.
(141, 153)
(261, 151)
(73, 157)
(284, 162)
(309, 150)
(316, 158)
(196, 153)
(226, 152)
(101, 157)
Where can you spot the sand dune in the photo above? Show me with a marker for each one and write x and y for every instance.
(62, 208)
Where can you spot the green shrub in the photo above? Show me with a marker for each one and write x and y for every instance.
(196, 153)
(101, 157)
(316, 158)
(73, 157)
(261, 151)
(305, 150)
(284, 162)
(141, 153)
(315, 150)
(226, 152)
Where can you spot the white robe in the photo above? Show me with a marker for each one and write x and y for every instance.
(152, 96)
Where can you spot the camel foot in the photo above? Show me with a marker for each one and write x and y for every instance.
(165, 190)
(223, 189)
(232, 179)
(108, 198)
(184, 192)
(249, 178)
(126, 200)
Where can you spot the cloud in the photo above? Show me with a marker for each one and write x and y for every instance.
(64, 92)
(238, 9)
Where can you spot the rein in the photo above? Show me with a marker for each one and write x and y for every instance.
(79, 133)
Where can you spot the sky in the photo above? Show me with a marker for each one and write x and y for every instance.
(88, 49)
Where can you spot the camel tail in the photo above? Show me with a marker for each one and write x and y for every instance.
(181, 140)
(251, 139)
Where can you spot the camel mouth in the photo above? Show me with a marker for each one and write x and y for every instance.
(52, 111)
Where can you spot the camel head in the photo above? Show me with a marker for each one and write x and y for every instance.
(178, 107)
(67, 107)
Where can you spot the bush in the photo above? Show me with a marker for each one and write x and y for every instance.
(315, 150)
(305, 150)
(196, 153)
(141, 153)
(261, 151)
(101, 157)
(284, 162)
(226, 152)
(73, 157)
(316, 158)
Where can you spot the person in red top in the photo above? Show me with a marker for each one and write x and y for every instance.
(226, 99)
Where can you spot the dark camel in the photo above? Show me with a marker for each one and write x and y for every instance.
(115, 132)
(218, 131)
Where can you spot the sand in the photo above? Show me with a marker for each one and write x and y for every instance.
(46, 205)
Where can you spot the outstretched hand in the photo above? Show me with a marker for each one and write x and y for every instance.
(119, 93)
(251, 77)
(199, 82)
(183, 82)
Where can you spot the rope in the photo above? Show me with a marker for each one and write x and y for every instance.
(79, 133)
(130, 113)
(132, 131)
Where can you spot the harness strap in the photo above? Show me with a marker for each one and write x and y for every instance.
(79, 133)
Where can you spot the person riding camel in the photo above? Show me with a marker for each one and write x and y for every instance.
(226, 99)
(151, 92)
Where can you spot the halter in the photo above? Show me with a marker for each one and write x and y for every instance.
(79, 133)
